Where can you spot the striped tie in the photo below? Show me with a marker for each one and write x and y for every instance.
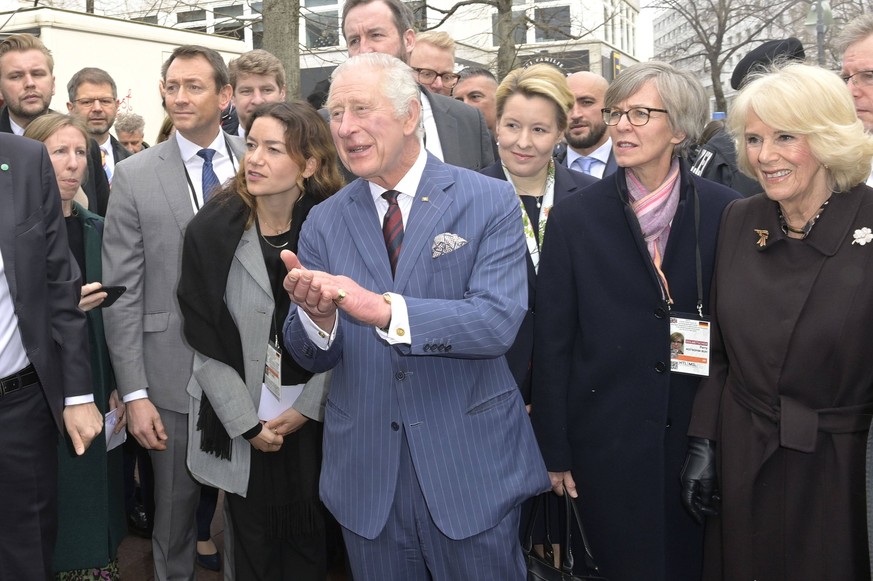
(392, 228)
(209, 180)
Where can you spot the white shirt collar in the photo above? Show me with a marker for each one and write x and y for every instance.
(189, 149)
(601, 154)
(408, 184)
(16, 128)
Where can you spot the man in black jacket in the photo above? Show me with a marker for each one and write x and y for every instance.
(27, 85)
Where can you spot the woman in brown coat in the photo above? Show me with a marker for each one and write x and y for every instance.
(790, 394)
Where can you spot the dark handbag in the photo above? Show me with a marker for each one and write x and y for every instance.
(541, 568)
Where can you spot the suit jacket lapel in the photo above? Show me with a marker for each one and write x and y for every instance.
(252, 259)
(360, 218)
(447, 128)
(174, 183)
(430, 203)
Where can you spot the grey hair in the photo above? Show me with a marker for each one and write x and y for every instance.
(683, 96)
(397, 82)
(856, 31)
(130, 123)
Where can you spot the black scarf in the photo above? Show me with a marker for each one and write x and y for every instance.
(210, 243)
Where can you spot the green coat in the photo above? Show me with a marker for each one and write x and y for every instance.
(91, 521)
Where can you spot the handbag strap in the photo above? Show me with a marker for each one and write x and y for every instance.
(572, 513)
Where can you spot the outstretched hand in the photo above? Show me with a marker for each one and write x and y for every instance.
(320, 294)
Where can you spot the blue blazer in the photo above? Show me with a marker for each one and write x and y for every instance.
(567, 183)
(450, 390)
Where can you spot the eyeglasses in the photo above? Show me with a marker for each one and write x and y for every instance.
(89, 103)
(428, 76)
(861, 78)
(636, 116)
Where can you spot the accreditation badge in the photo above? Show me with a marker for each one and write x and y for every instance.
(690, 345)
(273, 370)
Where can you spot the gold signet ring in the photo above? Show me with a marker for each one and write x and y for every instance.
(340, 295)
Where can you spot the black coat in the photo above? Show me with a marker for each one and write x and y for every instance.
(605, 405)
(519, 355)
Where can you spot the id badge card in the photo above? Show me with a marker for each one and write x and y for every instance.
(273, 370)
(690, 346)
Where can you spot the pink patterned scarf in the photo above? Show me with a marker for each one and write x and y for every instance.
(655, 209)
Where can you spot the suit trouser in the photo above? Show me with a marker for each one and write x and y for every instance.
(412, 548)
(176, 497)
(28, 485)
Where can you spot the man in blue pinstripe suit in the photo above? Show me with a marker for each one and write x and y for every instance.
(428, 451)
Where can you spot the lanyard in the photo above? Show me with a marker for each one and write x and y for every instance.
(535, 239)
(698, 262)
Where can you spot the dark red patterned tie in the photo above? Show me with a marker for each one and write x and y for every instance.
(392, 228)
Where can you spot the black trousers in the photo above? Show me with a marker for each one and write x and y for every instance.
(265, 550)
(28, 485)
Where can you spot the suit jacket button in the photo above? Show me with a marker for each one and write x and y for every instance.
(660, 367)
(400, 376)
(441, 348)
(660, 313)
(426, 347)
(448, 348)
(395, 426)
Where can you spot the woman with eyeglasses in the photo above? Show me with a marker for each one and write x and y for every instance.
(626, 264)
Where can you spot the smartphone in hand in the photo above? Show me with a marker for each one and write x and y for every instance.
(112, 294)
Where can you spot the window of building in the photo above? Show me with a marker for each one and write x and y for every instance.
(152, 19)
(228, 11)
(322, 29)
(191, 16)
(552, 23)
(519, 30)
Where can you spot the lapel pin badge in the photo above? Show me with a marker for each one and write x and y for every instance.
(4, 166)
(862, 236)
(425, 199)
(762, 237)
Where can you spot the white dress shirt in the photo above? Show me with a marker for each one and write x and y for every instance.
(599, 155)
(398, 331)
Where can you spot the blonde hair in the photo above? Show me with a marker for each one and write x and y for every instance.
(821, 110)
(438, 39)
(540, 80)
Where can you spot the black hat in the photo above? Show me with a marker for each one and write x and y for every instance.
(765, 55)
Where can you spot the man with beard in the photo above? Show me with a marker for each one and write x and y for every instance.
(589, 148)
(94, 100)
(27, 85)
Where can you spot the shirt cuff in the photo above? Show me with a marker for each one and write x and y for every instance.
(79, 399)
(322, 339)
(397, 332)
(134, 395)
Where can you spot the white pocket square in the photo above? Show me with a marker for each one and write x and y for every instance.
(445, 243)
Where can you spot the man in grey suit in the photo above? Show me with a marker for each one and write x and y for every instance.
(454, 132)
(154, 195)
(428, 449)
(45, 377)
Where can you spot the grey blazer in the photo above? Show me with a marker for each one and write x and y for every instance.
(250, 302)
(148, 211)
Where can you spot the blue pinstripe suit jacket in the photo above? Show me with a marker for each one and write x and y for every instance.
(450, 390)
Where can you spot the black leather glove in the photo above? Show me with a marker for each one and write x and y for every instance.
(699, 480)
